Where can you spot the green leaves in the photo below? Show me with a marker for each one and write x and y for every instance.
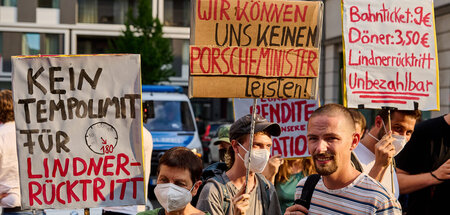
(143, 35)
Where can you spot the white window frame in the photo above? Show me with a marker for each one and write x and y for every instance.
(172, 32)
(36, 29)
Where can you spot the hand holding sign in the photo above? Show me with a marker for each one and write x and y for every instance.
(241, 201)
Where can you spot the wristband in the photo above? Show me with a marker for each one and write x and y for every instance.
(436, 177)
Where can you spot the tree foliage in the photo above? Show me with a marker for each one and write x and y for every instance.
(143, 35)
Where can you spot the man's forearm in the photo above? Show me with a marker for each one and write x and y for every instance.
(409, 183)
(377, 172)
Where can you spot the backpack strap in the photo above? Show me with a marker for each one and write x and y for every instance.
(356, 163)
(308, 189)
(265, 188)
(219, 182)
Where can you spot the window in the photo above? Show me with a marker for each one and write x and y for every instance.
(31, 44)
(177, 13)
(10, 3)
(104, 11)
(171, 116)
(48, 3)
(180, 50)
(92, 44)
(52, 44)
(35, 43)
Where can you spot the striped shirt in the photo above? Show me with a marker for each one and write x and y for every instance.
(363, 196)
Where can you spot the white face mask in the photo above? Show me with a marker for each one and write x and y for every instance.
(259, 159)
(172, 197)
(399, 143)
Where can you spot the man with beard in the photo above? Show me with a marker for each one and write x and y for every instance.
(342, 189)
(379, 146)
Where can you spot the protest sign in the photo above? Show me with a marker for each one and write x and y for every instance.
(390, 54)
(78, 124)
(255, 49)
(291, 114)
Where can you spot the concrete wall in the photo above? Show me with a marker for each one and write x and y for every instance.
(26, 10)
(443, 46)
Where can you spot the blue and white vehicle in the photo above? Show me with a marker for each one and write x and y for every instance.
(171, 122)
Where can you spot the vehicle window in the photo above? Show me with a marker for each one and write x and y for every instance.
(171, 116)
(213, 130)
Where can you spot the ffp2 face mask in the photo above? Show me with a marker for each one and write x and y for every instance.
(399, 143)
(172, 197)
(258, 161)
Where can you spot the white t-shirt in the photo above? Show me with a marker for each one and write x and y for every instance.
(367, 160)
(9, 166)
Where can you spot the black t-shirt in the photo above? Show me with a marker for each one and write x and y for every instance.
(427, 150)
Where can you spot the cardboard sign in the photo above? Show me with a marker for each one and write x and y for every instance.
(255, 49)
(291, 114)
(390, 54)
(78, 124)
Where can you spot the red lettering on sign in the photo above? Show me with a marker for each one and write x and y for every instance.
(29, 170)
(33, 196)
(97, 189)
(122, 165)
(124, 187)
(107, 165)
(77, 172)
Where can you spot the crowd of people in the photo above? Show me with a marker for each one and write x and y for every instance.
(357, 170)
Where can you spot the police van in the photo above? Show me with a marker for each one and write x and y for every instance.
(169, 117)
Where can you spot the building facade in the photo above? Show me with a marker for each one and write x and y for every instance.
(85, 27)
(29, 27)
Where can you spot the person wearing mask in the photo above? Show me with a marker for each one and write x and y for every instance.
(178, 179)
(342, 189)
(223, 140)
(228, 195)
(379, 146)
(423, 167)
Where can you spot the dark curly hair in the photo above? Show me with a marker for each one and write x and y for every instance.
(6, 106)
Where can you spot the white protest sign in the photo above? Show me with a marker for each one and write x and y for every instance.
(390, 54)
(291, 114)
(78, 124)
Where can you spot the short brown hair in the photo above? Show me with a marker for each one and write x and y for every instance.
(359, 118)
(334, 110)
(6, 106)
(415, 114)
(184, 158)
